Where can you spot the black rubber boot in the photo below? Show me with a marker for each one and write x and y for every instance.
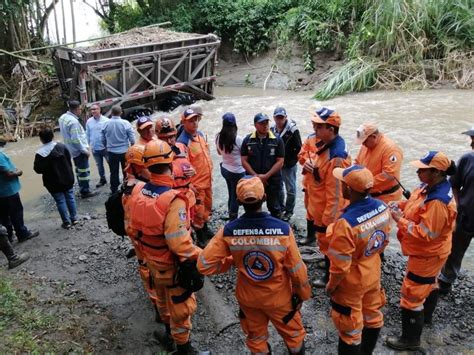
(186, 349)
(165, 339)
(412, 327)
(301, 352)
(322, 281)
(430, 305)
(310, 236)
(444, 287)
(346, 349)
(369, 340)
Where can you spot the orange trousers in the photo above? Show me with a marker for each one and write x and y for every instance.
(177, 315)
(353, 310)
(203, 207)
(323, 242)
(254, 323)
(420, 279)
(145, 274)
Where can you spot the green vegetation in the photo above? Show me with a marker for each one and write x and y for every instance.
(387, 43)
(20, 324)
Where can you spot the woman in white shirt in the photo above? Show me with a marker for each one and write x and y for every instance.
(228, 145)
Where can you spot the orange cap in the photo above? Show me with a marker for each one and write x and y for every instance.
(358, 178)
(364, 131)
(250, 190)
(433, 159)
(326, 115)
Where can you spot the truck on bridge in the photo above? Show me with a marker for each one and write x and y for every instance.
(143, 70)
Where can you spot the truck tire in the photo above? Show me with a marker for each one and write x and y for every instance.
(177, 100)
(132, 113)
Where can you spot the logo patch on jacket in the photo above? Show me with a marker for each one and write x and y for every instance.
(375, 242)
(393, 158)
(259, 266)
(182, 214)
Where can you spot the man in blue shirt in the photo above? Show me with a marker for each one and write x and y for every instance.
(94, 127)
(76, 142)
(463, 188)
(11, 209)
(117, 136)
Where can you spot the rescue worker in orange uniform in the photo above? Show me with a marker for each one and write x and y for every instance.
(308, 154)
(356, 239)
(272, 281)
(425, 225)
(383, 158)
(326, 197)
(160, 220)
(200, 159)
(135, 172)
(145, 130)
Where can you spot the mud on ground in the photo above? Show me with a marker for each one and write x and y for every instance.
(82, 278)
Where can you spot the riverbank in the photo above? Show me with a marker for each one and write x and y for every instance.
(81, 282)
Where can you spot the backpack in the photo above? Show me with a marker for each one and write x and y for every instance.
(115, 214)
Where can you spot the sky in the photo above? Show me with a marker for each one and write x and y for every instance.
(87, 22)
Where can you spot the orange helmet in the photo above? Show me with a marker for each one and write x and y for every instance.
(164, 127)
(134, 155)
(157, 152)
(180, 179)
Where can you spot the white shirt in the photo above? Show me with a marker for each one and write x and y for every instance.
(232, 161)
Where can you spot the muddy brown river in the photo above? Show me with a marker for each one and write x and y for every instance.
(418, 121)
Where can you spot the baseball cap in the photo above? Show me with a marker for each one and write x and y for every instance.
(279, 111)
(364, 131)
(196, 108)
(326, 115)
(189, 113)
(144, 121)
(260, 117)
(358, 178)
(470, 132)
(229, 118)
(433, 159)
(250, 189)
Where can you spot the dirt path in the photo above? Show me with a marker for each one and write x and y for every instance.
(96, 291)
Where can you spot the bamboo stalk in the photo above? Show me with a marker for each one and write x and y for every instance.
(73, 19)
(64, 21)
(58, 39)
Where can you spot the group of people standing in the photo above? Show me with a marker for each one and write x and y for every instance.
(351, 207)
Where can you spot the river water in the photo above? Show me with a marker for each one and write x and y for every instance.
(418, 121)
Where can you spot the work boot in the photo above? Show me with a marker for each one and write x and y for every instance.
(208, 233)
(201, 240)
(412, 327)
(101, 183)
(322, 281)
(30, 235)
(17, 260)
(310, 236)
(89, 194)
(131, 253)
(346, 349)
(430, 305)
(165, 338)
(444, 287)
(301, 352)
(186, 349)
(369, 340)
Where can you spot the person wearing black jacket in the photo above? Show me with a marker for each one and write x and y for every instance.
(286, 129)
(53, 161)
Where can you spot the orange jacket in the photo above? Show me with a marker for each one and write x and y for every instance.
(385, 162)
(308, 153)
(159, 216)
(429, 219)
(263, 249)
(199, 156)
(356, 239)
(327, 196)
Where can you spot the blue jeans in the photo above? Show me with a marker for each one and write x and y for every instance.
(232, 179)
(115, 161)
(99, 156)
(66, 204)
(83, 173)
(11, 215)
(288, 181)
